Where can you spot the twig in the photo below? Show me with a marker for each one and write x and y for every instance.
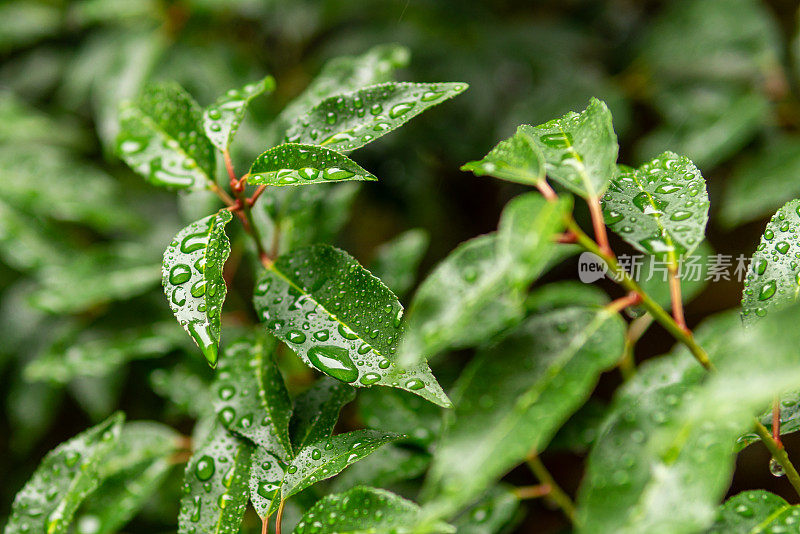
(599, 224)
(558, 495)
(636, 330)
(265, 525)
(531, 492)
(546, 191)
(252, 199)
(631, 299)
(776, 421)
(279, 517)
(675, 297)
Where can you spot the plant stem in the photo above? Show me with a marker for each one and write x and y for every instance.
(658, 313)
(776, 421)
(252, 199)
(279, 517)
(531, 492)
(231, 174)
(265, 525)
(675, 297)
(546, 191)
(780, 456)
(599, 224)
(631, 299)
(636, 329)
(225, 197)
(556, 493)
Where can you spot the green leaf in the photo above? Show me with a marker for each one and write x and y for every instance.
(141, 441)
(397, 261)
(193, 282)
(27, 243)
(407, 414)
(773, 278)
(351, 120)
(62, 481)
(216, 484)
(517, 159)
(364, 510)
(579, 149)
(661, 208)
(762, 183)
(328, 457)
(580, 431)
(564, 295)
(185, 389)
(495, 512)
(671, 434)
(222, 118)
(339, 319)
(383, 468)
(755, 511)
(161, 138)
(548, 367)
(266, 478)
(250, 397)
(293, 164)
(477, 290)
(316, 411)
(790, 419)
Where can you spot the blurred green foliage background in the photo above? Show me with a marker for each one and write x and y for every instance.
(81, 237)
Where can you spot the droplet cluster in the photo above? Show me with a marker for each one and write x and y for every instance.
(293, 164)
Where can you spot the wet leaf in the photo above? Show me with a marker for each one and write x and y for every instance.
(222, 118)
(250, 397)
(326, 458)
(565, 294)
(548, 366)
(193, 282)
(661, 208)
(397, 261)
(161, 138)
(773, 278)
(790, 419)
(495, 512)
(66, 476)
(317, 410)
(351, 120)
(517, 159)
(266, 477)
(420, 421)
(216, 484)
(364, 510)
(293, 164)
(383, 468)
(339, 319)
(755, 511)
(579, 149)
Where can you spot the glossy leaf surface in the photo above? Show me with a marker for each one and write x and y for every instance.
(351, 120)
(661, 208)
(192, 279)
(317, 410)
(296, 164)
(516, 159)
(550, 364)
(388, 466)
(756, 511)
(161, 138)
(339, 319)
(266, 477)
(66, 476)
(222, 118)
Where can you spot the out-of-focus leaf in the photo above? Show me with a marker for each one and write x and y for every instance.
(62, 481)
(28, 242)
(517, 159)
(755, 511)
(96, 354)
(222, 118)
(317, 410)
(21, 124)
(396, 261)
(762, 183)
(661, 208)
(386, 466)
(293, 164)
(388, 408)
(23, 23)
(790, 419)
(193, 282)
(351, 120)
(327, 457)
(581, 430)
(216, 484)
(185, 389)
(495, 512)
(548, 367)
(773, 278)
(339, 319)
(579, 149)
(478, 289)
(564, 295)
(364, 510)
(98, 396)
(251, 398)
(161, 138)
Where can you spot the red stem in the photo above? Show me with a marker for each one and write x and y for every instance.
(631, 299)
(546, 191)
(677, 301)
(599, 224)
(776, 422)
(279, 518)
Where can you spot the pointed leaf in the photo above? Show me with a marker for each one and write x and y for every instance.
(250, 397)
(396, 262)
(66, 476)
(192, 279)
(478, 289)
(293, 164)
(661, 208)
(328, 457)
(755, 511)
(317, 410)
(773, 278)
(548, 367)
(351, 120)
(364, 510)
(517, 159)
(339, 319)
(161, 138)
(579, 149)
(216, 485)
(222, 118)
(266, 477)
